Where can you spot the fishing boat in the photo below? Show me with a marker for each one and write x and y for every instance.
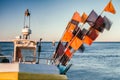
(24, 64)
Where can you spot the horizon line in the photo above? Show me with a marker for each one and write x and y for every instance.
(52, 41)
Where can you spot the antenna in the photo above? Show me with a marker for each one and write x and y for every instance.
(26, 31)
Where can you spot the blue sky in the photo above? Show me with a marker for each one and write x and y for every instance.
(50, 17)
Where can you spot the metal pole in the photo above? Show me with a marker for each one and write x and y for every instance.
(39, 50)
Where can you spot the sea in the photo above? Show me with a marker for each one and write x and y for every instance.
(99, 61)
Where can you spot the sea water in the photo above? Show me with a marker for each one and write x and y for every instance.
(100, 61)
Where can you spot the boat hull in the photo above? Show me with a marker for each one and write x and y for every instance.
(30, 76)
(16, 71)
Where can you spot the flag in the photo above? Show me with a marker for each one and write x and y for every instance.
(74, 22)
(90, 36)
(76, 30)
(76, 43)
(107, 22)
(68, 25)
(67, 36)
(76, 17)
(59, 50)
(84, 31)
(110, 8)
(83, 17)
(92, 33)
(71, 27)
(68, 53)
(81, 33)
(92, 18)
(87, 40)
(64, 60)
(99, 24)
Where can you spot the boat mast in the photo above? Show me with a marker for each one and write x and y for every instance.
(26, 31)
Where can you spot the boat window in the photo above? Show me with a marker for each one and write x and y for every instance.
(28, 55)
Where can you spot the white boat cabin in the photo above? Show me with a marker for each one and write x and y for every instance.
(24, 51)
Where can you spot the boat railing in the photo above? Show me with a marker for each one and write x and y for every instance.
(45, 60)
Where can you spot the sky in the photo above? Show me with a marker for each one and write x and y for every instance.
(49, 18)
